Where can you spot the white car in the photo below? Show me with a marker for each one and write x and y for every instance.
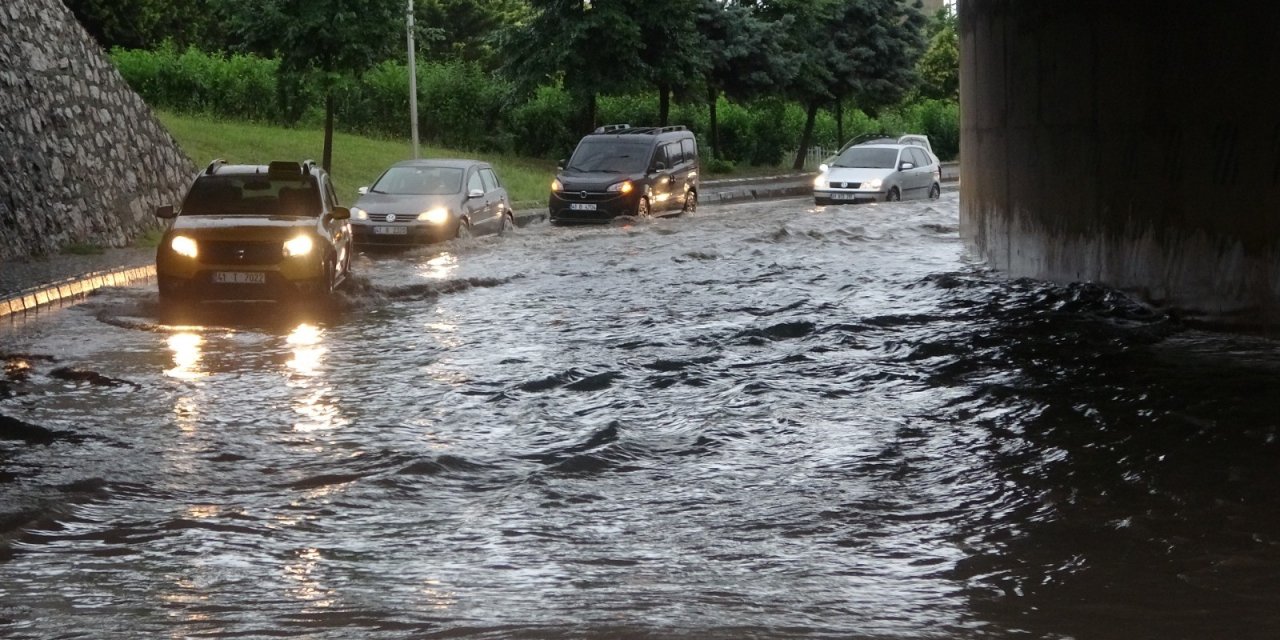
(878, 172)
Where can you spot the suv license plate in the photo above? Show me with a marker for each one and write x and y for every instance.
(239, 277)
(582, 206)
(391, 231)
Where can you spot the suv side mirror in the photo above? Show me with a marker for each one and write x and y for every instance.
(165, 212)
(340, 213)
(362, 190)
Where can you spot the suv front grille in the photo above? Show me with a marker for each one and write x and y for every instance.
(237, 252)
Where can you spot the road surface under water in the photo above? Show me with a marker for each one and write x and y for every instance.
(765, 420)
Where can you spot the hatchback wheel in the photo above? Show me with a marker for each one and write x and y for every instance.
(690, 202)
(642, 208)
(464, 230)
(935, 191)
(508, 225)
(894, 195)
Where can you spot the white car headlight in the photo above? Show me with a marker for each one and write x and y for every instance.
(438, 215)
(820, 181)
(359, 214)
(299, 246)
(184, 246)
(874, 184)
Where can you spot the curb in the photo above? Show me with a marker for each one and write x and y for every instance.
(29, 300)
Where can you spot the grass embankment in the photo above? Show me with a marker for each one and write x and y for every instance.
(357, 161)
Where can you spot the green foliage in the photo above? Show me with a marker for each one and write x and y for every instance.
(148, 23)
(939, 67)
(237, 86)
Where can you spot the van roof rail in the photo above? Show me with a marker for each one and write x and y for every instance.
(611, 128)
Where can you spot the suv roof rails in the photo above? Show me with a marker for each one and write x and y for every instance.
(213, 166)
(307, 166)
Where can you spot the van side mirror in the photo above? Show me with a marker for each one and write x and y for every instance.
(560, 164)
(659, 166)
(165, 212)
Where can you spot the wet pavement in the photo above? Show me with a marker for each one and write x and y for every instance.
(763, 420)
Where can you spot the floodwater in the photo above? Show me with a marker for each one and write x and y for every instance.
(765, 420)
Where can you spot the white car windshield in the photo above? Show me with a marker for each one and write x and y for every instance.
(867, 158)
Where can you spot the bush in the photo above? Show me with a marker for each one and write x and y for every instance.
(540, 126)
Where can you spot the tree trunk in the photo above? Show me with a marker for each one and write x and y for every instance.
(805, 138)
(326, 162)
(664, 103)
(590, 116)
(713, 95)
(839, 123)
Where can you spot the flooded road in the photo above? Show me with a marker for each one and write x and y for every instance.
(765, 420)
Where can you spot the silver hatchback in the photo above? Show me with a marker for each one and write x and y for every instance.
(878, 173)
(425, 201)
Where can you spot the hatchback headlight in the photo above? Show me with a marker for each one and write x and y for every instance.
(299, 246)
(184, 246)
(359, 214)
(874, 184)
(820, 180)
(623, 187)
(438, 215)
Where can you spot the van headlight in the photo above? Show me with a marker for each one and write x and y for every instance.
(184, 246)
(299, 246)
(438, 215)
(623, 187)
(556, 185)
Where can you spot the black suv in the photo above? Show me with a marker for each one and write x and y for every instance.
(623, 170)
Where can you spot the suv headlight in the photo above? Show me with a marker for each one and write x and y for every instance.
(184, 246)
(623, 187)
(359, 214)
(438, 215)
(299, 246)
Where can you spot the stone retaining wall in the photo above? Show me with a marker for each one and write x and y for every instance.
(82, 158)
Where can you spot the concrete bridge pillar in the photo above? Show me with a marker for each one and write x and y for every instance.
(1133, 143)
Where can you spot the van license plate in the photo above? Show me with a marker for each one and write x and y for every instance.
(582, 206)
(239, 277)
(391, 231)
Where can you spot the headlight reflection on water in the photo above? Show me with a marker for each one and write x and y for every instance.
(314, 404)
(187, 351)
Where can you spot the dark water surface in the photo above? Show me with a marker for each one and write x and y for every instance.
(761, 421)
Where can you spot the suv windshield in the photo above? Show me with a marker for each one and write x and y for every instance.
(864, 158)
(251, 195)
(419, 181)
(610, 156)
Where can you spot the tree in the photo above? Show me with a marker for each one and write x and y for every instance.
(587, 47)
(145, 24)
(939, 67)
(466, 30)
(864, 50)
(321, 38)
(745, 56)
(674, 55)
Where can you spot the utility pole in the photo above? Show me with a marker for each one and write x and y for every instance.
(413, 84)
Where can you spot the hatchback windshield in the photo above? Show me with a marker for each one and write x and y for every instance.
(419, 181)
(610, 156)
(867, 158)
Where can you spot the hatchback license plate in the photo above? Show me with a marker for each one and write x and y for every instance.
(582, 206)
(391, 231)
(843, 196)
(239, 277)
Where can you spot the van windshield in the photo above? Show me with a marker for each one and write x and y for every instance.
(610, 156)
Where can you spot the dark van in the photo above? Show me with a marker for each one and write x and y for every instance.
(620, 170)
